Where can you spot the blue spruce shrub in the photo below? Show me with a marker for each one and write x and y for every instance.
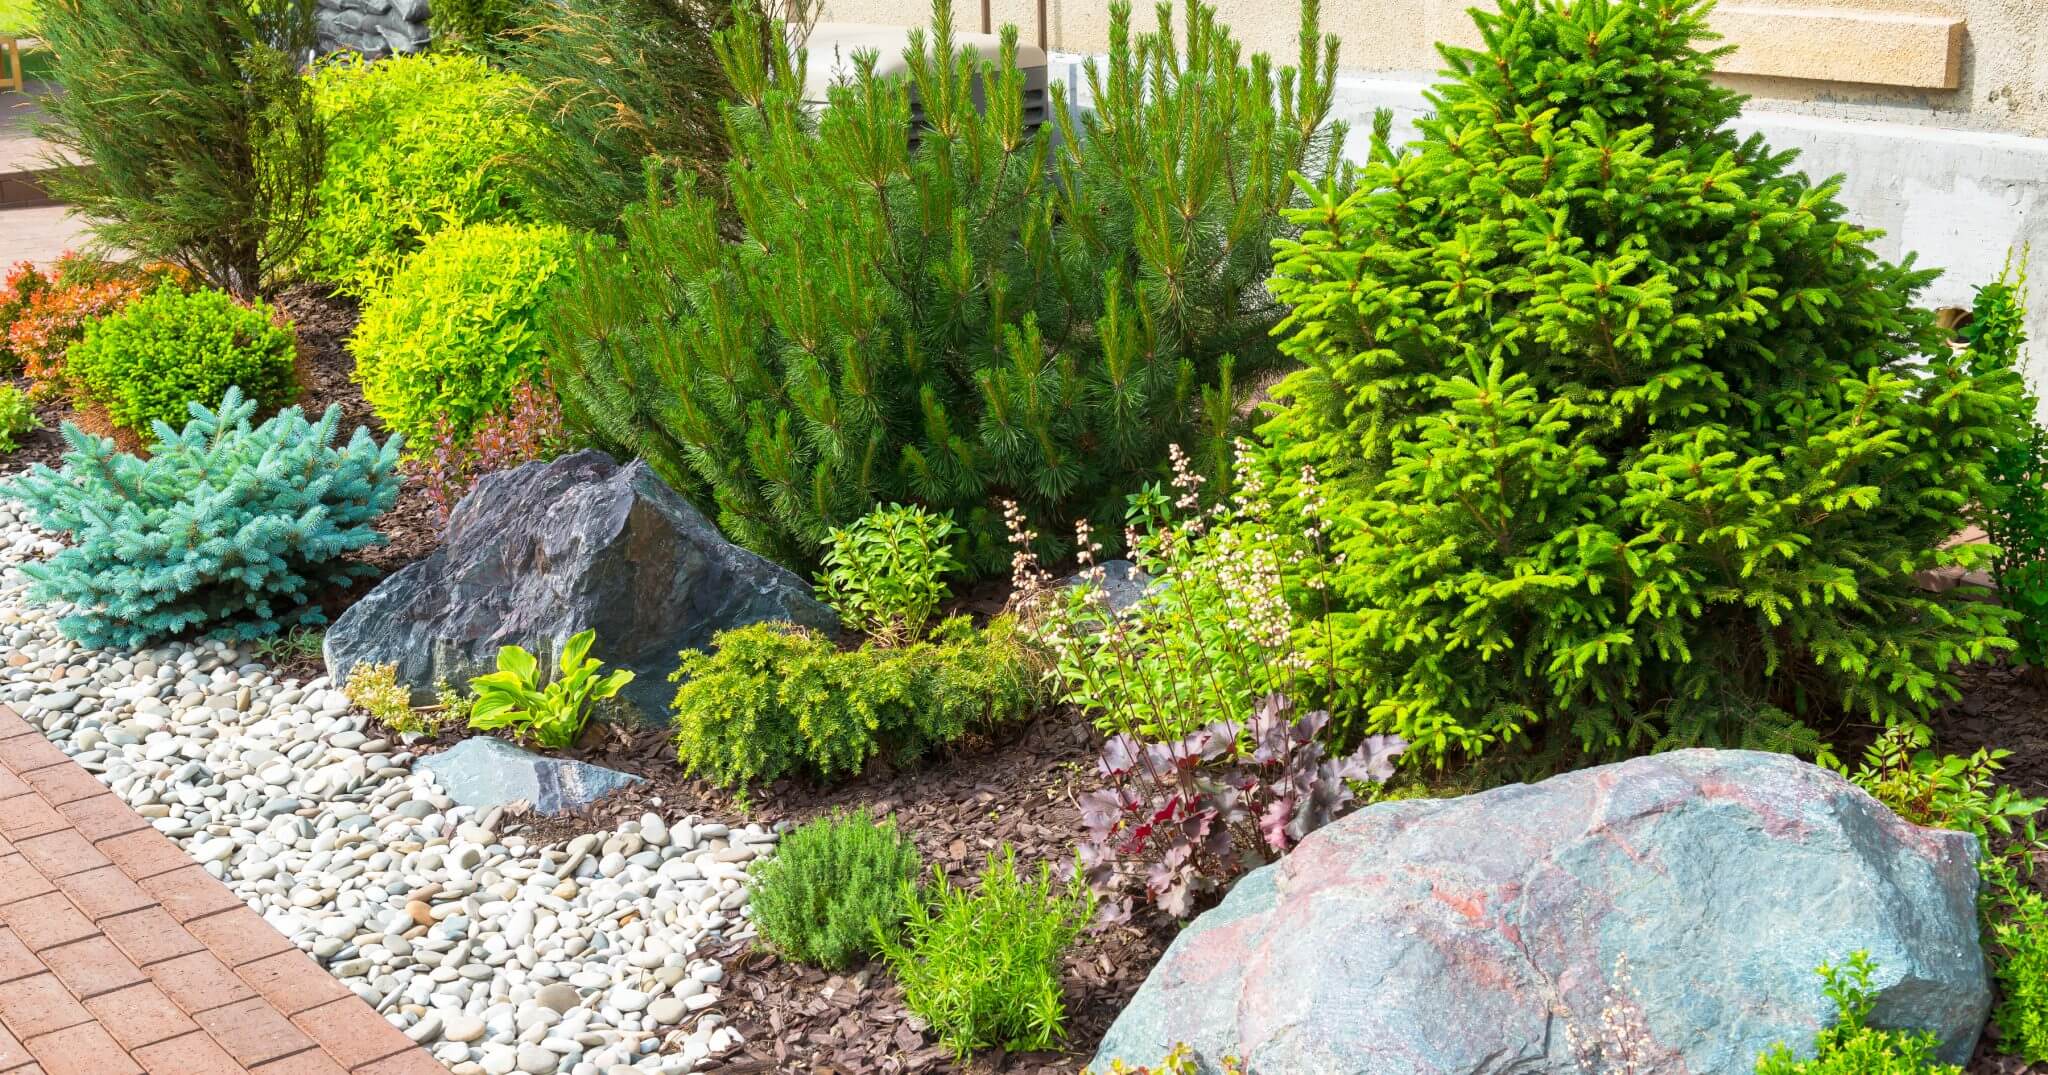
(226, 530)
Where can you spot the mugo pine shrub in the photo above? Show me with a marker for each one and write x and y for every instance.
(957, 324)
(1632, 438)
(227, 530)
(415, 145)
(171, 348)
(455, 334)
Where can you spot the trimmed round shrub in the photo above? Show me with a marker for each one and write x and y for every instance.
(829, 885)
(171, 348)
(455, 333)
(415, 145)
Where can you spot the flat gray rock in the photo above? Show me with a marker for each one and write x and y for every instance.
(1488, 935)
(484, 772)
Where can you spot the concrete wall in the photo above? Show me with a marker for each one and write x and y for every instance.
(1944, 145)
(1860, 59)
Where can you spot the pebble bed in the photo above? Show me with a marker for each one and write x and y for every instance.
(497, 956)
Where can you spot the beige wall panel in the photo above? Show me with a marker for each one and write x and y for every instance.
(1803, 60)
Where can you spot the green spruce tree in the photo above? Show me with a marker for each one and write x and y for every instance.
(1629, 437)
(984, 316)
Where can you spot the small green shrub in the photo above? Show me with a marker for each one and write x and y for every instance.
(1945, 791)
(983, 968)
(885, 574)
(1852, 1048)
(17, 417)
(2014, 508)
(415, 145)
(2019, 954)
(225, 529)
(146, 363)
(1217, 633)
(374, 688)
(774, 699)
(519, 697)
(829, 885)
(452, 337)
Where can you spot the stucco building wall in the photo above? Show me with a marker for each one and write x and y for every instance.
(2001, 83)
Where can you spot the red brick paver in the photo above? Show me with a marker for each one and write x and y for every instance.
(120, 956)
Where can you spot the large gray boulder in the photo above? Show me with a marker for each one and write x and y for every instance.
(537, 553)
(1485, 935)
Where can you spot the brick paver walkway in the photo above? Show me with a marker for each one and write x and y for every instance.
(119, 955)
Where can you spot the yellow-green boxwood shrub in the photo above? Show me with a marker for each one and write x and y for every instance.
(415, 145)
(449, 338)
(171, 347)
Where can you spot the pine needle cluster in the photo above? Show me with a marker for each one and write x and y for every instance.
(991, 314)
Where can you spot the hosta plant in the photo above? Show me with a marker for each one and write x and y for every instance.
(1632, 438)
(227, 529)
(885, 574)
(550, 710)
(1180, 818)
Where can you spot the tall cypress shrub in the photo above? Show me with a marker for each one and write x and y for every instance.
(184, 132)
(979, 318)
(1629, 437)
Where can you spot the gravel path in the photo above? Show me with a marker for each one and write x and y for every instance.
(498, 956)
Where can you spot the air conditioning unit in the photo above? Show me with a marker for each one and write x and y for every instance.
(833, 45)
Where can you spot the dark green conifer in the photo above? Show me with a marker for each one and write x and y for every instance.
(990, 315)
(1629, 437)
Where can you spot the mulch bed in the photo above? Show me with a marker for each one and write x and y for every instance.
(958, 806)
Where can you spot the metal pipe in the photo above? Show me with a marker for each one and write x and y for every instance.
(987, 22)
(1041, 25)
